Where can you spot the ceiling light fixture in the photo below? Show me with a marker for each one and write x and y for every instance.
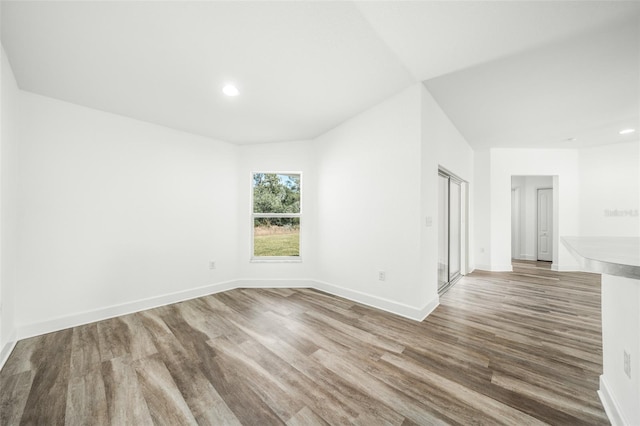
(230, 90)
(627, 131)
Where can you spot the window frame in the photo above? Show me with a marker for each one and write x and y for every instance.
(253, 216)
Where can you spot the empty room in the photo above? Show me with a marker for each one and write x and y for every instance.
(319, 212)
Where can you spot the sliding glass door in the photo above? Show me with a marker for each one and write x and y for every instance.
(443, 231)
(449, 230)
(454, 229)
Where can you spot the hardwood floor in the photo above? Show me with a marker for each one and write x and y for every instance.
(502, 348)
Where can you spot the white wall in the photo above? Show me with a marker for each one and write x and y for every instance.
(369, 203)
(482, 210)
(528, 186)
(442, 146)
(504, 163)
(610, 180)
(117, 215)
(115, 212)
(295, 156)
(620, 333)
(377, 185)
(589, 181)
(9, 124)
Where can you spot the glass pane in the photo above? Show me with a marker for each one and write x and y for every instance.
(454, 230)
(276, 193)
(276, 236)
(443, 231)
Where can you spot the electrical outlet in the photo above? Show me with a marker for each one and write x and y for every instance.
(627, 363)
(212, 265)
(382, 275)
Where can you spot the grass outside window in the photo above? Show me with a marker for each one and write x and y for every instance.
(276, 240)
(276, 215)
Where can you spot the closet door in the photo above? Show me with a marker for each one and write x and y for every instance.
(449, 230)
(454, 229)
(443, 231)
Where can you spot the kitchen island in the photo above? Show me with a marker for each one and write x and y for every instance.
(618, 260)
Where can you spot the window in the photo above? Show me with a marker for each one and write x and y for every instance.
(276, 216)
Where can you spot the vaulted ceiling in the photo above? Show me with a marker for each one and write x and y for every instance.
(507, 73)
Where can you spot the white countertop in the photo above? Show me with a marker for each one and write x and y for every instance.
(607, 255)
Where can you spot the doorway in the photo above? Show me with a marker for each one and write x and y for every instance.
(532, 216)
(451, 229)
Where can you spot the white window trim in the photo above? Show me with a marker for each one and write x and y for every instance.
(275, 259)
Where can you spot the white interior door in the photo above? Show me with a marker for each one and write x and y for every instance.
(515, 223)
(545, 224)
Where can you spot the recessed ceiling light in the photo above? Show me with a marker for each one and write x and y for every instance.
(627, 131)
(230, 90)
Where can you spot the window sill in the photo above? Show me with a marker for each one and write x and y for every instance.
(275, 260)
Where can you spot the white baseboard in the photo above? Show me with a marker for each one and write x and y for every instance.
(74, 320)
(416, 314)
(428, 308)
(35, 329)
(482, 267)
(288, 283)
(502, 268)
(563, 268)
(495, 268)
(610, 405)
(526, 257)
(7, 349)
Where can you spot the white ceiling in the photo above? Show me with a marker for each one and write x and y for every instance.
(584, 88)
(506, 73)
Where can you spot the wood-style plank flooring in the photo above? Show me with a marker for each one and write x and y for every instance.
(521, 348)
